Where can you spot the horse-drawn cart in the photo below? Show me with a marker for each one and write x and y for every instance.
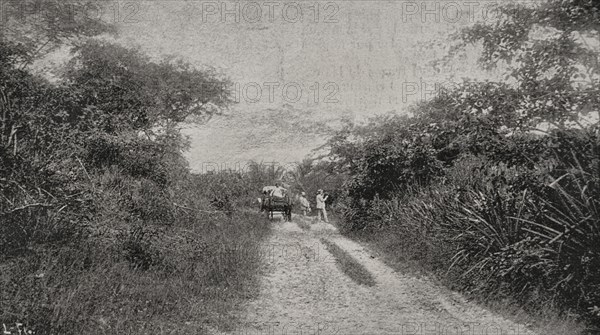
(276, 206)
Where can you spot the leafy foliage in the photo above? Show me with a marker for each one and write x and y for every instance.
(121, 87)
(494, 185)
(101, 221)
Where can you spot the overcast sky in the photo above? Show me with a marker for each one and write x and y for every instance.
(299, 67)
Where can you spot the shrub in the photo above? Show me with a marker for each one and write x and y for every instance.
(138, 248)
(503, 231)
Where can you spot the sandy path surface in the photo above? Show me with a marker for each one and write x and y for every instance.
(303, 291)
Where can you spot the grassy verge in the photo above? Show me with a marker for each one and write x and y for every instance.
(502, 236)
(412, 252)
(180, 279)
(349, 265)
(403, 255)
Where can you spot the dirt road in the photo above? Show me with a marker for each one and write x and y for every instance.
(303, 291)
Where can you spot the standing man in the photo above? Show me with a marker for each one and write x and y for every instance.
(304, 204)
(321, 206)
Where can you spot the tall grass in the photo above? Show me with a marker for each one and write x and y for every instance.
(501, 233)
(149, 259)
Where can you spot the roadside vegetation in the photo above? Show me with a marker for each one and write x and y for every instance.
(103, 229)
(494, 187)
(491, 186)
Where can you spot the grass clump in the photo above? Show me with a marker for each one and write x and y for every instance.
(502, 235)
(133, 277)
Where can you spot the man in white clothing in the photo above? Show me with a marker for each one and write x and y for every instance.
(321, 206)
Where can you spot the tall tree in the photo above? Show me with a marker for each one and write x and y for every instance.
(37, 27)
(123, 90)
(550, 51)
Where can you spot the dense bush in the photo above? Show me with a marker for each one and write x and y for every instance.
(494, 186)
(501, 231)
(103, 229)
